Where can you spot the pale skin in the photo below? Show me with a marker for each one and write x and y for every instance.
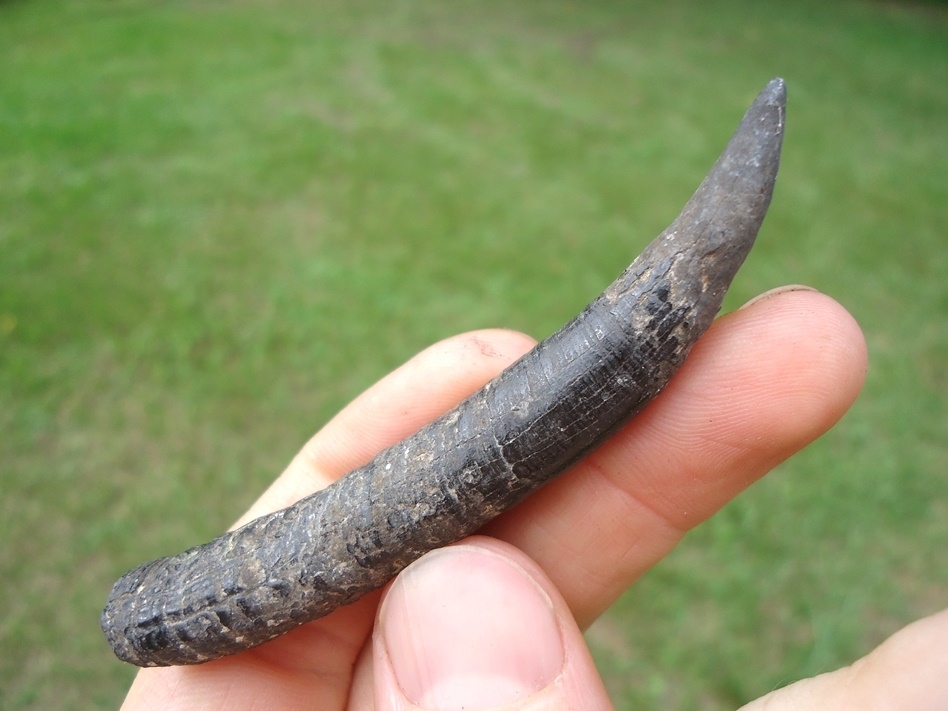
(495, 621)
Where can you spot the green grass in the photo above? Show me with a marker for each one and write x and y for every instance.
(221, 221)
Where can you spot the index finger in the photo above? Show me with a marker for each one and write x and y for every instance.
(399, 404)
(761, 384)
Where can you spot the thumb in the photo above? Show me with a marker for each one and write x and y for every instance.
(907, 671)
(476, 626)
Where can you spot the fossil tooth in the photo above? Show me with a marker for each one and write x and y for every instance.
(523, 428)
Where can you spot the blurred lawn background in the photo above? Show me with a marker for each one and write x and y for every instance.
(219, 222)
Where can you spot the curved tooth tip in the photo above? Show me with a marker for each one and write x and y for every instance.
(774, 93)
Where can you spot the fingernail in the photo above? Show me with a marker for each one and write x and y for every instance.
(467, 628)
(775, 292)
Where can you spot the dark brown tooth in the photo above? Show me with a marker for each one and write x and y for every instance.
(523, 428)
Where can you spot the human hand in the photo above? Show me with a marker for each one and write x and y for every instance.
(495, 622)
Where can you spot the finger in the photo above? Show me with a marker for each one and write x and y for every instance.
(311, 666)
(907, 671)
(308, 668)
(479, 626)
(804, 343)
(760, 385)
(399, 404)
